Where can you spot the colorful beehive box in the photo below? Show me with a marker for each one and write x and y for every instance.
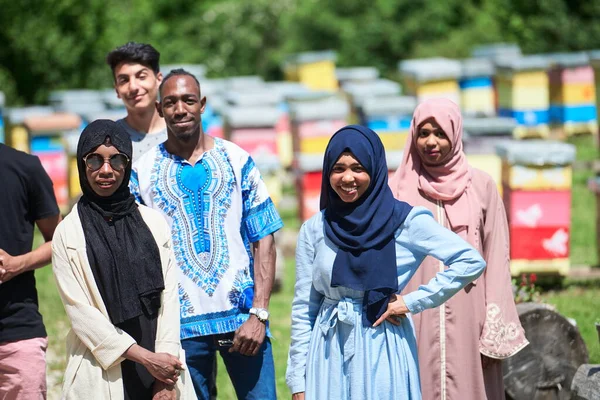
(359, 92)
(537, 197)
(390, 117)
(308, 184)
(523, 94)
(316, 69)
(431, 77)
(315, 120)
(253, 129)
(284, 126)
(477, 96)
(572, 95)
(494, 52)
(46, 140)
(481, 135)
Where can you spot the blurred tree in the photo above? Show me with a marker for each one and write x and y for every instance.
(54, 44)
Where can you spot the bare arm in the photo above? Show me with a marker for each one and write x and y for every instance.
(250, 336)
(264, 270)
(12, 266)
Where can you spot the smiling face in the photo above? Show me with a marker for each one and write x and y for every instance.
(106, 180)
(348, 178)
(137, 85)
(432, 143)
(181, 106)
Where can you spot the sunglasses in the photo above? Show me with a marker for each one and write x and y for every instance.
(95, 161)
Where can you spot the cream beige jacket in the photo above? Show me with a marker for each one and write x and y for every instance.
(94, 345)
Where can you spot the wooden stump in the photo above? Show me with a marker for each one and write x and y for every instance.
(586, 383)
(545, 368)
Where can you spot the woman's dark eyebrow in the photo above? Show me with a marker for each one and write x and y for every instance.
(351, 165)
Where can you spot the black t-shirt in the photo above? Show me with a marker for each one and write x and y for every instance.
(27, 196)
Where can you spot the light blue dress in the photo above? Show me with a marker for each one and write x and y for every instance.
(332, 355)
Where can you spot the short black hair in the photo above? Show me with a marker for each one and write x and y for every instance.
(139, 53)
(177, 72)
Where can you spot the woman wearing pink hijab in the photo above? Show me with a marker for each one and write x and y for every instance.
(462, 342)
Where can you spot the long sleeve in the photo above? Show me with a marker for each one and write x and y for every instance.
(427, 237)
(167, 333)
(305, 308)
(106, 342)
(502, 335)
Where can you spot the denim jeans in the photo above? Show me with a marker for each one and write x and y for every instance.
(253, 378)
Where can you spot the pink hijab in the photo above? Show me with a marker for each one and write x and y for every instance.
(448, 182)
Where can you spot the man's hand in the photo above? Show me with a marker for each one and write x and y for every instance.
(249, 337)
(162, 391)
(9, 266)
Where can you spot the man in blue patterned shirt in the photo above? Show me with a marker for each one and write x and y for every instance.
(222, 221)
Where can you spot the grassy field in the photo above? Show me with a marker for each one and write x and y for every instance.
(577, 300)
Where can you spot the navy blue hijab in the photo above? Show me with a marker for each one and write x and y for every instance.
(363, 230)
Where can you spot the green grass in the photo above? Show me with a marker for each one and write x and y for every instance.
(583, 207)
(582, 304)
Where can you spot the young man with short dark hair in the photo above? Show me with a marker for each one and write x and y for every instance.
(137, 76)
(222, 220)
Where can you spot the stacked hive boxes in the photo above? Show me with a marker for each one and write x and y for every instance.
(537, 195)
(250, 123)
(477, 96)
(212, 121)
(480, 140)
(316, 70)
(523, 94)
(431, 77)
(44, 137)
(353, 80)
(390, 117)
(16, 135)
(359, 92)
(284, 125)
(572, 95)
(315, 118)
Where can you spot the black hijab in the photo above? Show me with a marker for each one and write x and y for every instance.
(121, 250)
(363, 230)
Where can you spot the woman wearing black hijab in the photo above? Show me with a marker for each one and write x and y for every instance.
(113, 265)
(352, 335)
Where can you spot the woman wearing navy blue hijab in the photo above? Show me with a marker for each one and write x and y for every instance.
(352, 334)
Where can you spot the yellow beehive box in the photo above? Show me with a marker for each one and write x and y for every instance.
(532, 178)
(523, 98)
(478, 100)
(393, 141)
(489, 163)
(316, 70)
(314, 145)
(573, 93)
(555, 266)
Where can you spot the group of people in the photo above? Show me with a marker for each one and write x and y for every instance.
(402, 286)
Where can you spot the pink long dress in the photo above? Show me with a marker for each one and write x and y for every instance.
(480, 320)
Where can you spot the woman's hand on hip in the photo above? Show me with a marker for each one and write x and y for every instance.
(396, 309)
(298, 396)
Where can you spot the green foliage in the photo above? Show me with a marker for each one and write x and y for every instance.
(56, 44)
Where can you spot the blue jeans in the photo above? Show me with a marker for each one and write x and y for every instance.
(253, 378)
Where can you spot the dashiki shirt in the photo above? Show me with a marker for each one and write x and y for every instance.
(216, 209)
